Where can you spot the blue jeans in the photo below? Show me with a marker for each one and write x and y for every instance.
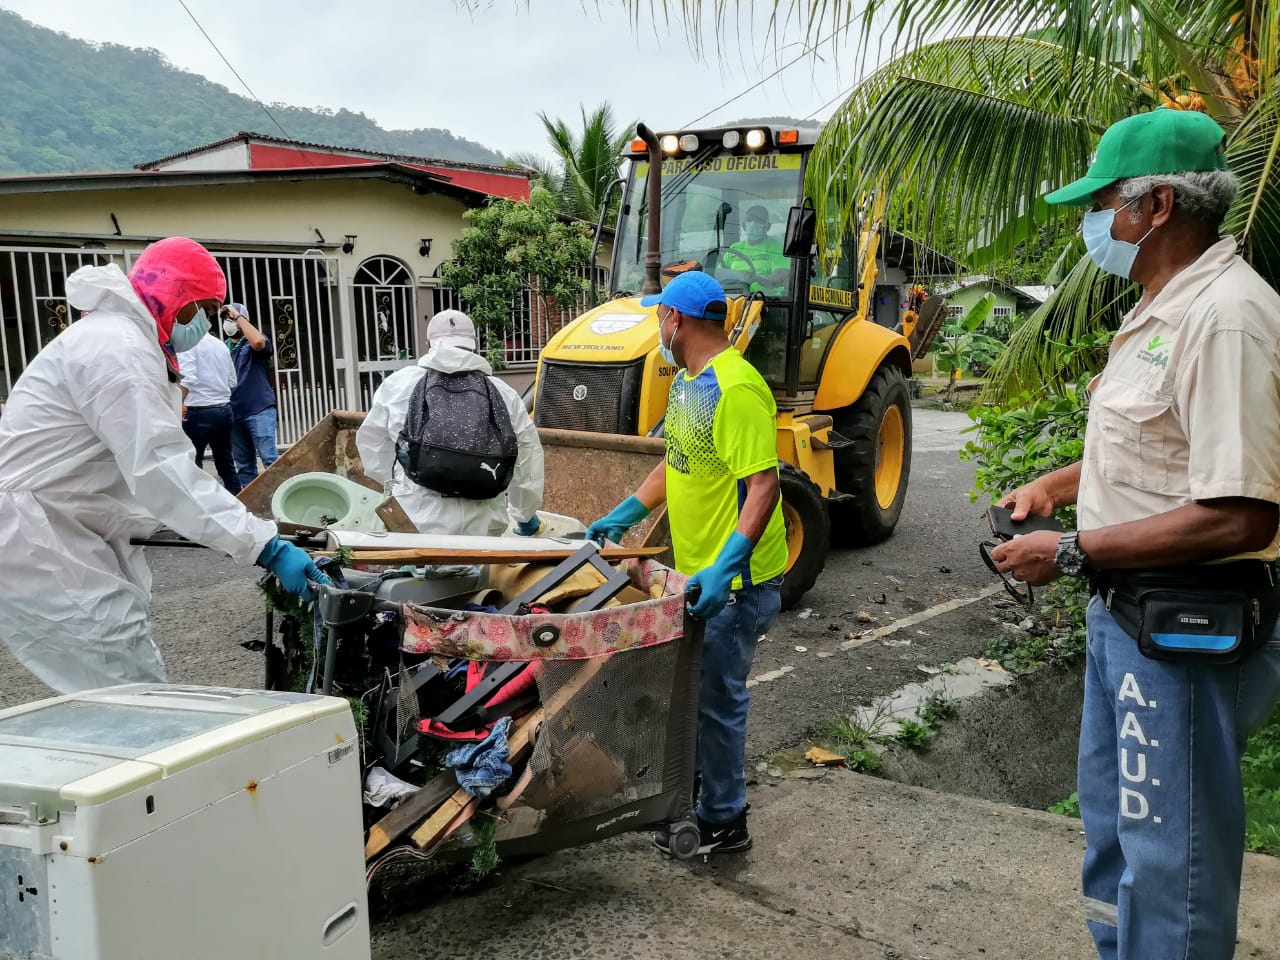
(253, 438)
(210, 428)
(1161, 795)
(728, 647)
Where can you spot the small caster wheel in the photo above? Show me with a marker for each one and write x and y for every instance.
(685, 839)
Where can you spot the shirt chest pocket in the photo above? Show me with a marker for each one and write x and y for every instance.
(1133, 448)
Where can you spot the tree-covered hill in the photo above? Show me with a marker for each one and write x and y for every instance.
(72, 106)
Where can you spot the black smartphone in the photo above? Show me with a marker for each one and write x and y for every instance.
(1002, 524)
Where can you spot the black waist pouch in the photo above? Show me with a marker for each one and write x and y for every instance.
(1205, 615)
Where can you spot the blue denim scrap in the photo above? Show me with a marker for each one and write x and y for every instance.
(482, 767)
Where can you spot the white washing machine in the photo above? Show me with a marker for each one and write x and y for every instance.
(157, 822)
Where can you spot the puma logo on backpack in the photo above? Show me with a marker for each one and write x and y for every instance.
(457, 438)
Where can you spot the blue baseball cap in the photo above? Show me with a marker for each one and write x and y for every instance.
(693, 293)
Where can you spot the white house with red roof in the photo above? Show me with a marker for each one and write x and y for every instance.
(336, 253)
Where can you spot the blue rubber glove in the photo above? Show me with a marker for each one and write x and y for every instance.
(712, 584)
(530, 527)
(618, 521)
(292, 566)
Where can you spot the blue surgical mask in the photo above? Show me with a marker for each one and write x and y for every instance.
(665, 348)
(1112, 255)
(186, 336)
(756, 231)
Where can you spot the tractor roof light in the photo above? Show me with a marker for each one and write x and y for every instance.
(755, 139)
(788, 136)
(731, 139)
(639, 146)
(670, 143)
(689, 142)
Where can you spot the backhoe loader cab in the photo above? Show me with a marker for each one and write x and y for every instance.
(732, 203)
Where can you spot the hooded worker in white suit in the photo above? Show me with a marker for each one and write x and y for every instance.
(92, 454)
(451, 341)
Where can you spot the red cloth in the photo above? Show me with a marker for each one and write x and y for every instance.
(172, 273)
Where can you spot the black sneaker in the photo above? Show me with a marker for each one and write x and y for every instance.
(731, 837)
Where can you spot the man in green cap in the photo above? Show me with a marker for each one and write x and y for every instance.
(1177, 499)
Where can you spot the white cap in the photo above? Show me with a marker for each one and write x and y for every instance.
(451, 328)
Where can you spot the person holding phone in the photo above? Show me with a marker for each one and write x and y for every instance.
(1177, 497)
(253, 402)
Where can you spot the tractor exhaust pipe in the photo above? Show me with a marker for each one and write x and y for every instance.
(653, 250)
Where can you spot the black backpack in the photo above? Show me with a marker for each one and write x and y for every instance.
(457, 438)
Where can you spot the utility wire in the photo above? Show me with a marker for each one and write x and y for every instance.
(763, 80)
(219, 52)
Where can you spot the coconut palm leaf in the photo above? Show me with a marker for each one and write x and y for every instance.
(588, 159)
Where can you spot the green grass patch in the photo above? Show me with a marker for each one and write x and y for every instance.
(914, 735)
(937, 709)
(840, 731)
(864, 761)
(1069, 807)
(1261, 769)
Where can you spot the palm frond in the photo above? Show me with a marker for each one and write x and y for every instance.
(963, 160)
(1058, 343)
(1254, 155)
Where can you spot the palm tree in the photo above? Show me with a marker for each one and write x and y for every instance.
(584, 163)
(1008, 106)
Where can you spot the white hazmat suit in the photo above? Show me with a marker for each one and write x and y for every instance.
(92, 453)
(430, 512)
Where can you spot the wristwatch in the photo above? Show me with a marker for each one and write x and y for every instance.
(1069, 558)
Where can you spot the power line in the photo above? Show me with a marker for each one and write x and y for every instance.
(839, 96)
(216, 50)
(763, 80)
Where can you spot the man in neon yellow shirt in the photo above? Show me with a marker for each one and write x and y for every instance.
(720, 483)
(769, 267)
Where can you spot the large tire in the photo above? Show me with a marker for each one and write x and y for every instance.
(808, 533)
(873, 470)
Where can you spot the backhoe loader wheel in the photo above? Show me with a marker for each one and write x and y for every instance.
(874, 469)
(808, 533)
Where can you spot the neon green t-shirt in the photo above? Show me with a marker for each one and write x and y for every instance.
(765, 257)
(721, 428)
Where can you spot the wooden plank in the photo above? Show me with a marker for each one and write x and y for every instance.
(394, 518)
(474, 556)
(442, 822)
(438, 825)
(399, 821)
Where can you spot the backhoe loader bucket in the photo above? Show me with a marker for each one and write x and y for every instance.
(587, 474)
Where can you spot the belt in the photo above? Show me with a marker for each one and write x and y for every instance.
(210, 406)
(1246, 575)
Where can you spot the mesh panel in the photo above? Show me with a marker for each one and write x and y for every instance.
(608, 746)
(599, 387)
(407, 713)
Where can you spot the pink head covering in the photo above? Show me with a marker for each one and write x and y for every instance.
(172, 273)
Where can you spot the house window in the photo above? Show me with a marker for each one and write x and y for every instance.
(1006, 312)
(955, 313)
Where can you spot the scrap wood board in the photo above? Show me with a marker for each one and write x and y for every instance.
(478, 556)
(458, 808)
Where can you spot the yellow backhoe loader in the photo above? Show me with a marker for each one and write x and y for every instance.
(696, 199)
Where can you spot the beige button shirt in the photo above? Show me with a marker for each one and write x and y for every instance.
(1188, 405)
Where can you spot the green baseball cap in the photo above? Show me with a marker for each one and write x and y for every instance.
(1160, 141)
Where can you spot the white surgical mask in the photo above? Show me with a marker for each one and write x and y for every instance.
(185, 336)
(1112, 255)
(230, 328)
(666, 348)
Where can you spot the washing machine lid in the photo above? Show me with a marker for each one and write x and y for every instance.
(91, 747)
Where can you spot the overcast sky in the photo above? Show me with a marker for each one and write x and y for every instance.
(482, 75)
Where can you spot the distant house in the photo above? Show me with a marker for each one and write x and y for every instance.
(963, 292)
(336, 252)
